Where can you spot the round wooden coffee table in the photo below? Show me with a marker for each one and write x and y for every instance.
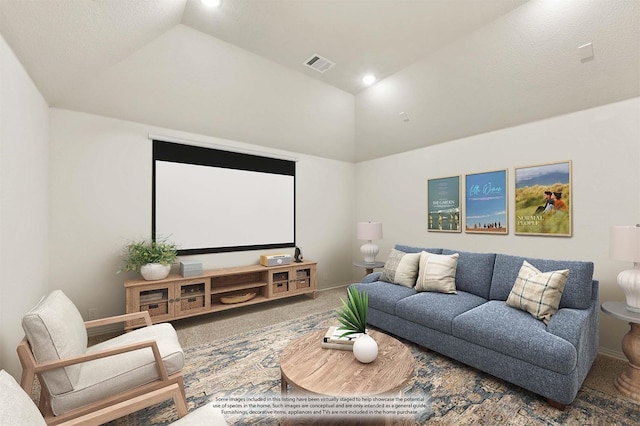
(310, 368)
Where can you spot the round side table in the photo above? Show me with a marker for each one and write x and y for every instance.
(368, 267)
(628, 382)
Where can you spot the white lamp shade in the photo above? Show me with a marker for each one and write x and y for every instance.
(624, 243)
(369, 231)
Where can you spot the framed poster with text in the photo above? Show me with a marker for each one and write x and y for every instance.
(543, 200)
(486, 203)
(443, 204)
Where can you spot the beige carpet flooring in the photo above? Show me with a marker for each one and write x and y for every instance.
(206, 328)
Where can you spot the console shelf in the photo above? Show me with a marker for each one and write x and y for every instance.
(176, 297)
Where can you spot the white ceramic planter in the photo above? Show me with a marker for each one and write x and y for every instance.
(365, 349)
(155, 271)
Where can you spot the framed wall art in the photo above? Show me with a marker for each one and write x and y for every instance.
(543, 200)
(443, 204)
(486, 203)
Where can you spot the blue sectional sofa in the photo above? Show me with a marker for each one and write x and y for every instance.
(475, 326)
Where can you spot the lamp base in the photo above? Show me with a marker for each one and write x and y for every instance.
(629, 280)
(369, 251)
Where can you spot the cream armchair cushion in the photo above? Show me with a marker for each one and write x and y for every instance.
(55, 330)
(16, 408)
(115, 374)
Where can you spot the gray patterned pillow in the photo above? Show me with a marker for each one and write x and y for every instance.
(538, 292)
(401, 268)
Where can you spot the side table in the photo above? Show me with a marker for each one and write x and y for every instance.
(369, 267)
(628, 382)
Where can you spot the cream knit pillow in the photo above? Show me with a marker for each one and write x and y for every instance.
(401, 268)
(437, 272)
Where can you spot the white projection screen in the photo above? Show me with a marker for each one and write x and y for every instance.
(210, 201)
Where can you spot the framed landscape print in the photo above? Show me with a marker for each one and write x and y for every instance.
(443, 204)
(486, 203)
(543, 200)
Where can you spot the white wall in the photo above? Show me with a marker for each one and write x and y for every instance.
(602, 144)
(100, 188)
(23, 202)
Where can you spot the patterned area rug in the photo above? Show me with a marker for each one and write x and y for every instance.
(247, 365)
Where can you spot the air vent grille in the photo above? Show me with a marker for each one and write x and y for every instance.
(319, 63)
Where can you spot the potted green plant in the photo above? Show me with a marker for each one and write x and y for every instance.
(353, 318)
(153, 259)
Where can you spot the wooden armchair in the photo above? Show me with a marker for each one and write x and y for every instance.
(93, 385)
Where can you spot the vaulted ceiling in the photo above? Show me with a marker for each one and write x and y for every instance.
(65, 42)
(76, 51)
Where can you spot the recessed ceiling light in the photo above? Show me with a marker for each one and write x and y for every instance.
(369, 79)
(212, 3)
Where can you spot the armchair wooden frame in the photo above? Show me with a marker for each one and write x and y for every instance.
(166, 387)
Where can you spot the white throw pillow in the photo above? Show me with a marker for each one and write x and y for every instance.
(437, 272)
(401, 268)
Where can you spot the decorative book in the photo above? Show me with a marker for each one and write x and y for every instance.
(333, 340)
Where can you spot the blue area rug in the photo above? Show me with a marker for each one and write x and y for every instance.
(247, 365)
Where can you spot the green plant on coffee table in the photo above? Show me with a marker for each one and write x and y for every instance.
(353, 314)
(139, 253)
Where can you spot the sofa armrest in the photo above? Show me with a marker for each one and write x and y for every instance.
(371, 278)
(577, 326)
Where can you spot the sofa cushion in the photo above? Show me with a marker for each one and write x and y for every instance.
(55, 330)
(577, 291)
(538, 292)
(474, 272)
(412, 249)
(436, 310)
(401, 268)
(384, 296)
(437, 272)
(515, 333)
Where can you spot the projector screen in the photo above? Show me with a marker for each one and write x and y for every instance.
(208, 200)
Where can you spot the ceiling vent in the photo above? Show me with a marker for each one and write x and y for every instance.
(319, 63)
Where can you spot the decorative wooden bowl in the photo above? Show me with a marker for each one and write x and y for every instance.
(238, 298)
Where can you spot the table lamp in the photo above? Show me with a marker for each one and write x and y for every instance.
(369, 231)
(624, 245)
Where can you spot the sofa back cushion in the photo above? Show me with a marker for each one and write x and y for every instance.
(577, 290)
(412, 249)
(474, 273)
(55, 330)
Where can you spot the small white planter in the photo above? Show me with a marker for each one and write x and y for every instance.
(155, 271)
(365, 349)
